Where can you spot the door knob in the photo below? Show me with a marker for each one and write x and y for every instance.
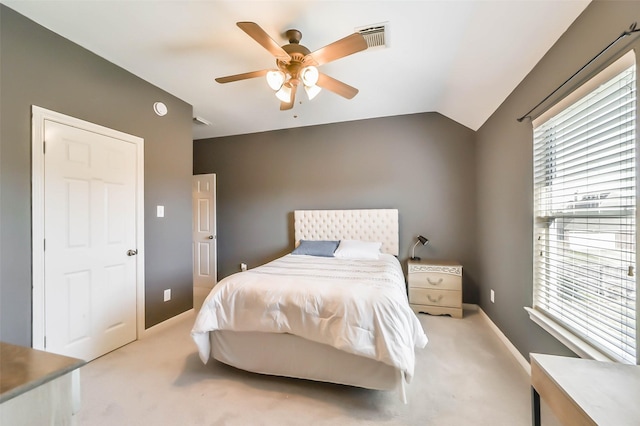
(132, 252)
(210, 237)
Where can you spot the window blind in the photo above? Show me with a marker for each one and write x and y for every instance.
(585, 210)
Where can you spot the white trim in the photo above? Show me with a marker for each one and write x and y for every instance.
(575, 344)
(621, 64)
(37, 229)
(152, 331)
(566, 337)
(38, 117)
(514, 351)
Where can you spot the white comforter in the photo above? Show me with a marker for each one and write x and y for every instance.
(357, 306)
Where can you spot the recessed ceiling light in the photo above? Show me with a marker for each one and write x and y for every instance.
(160, 108)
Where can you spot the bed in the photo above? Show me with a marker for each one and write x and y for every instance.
(341, 318)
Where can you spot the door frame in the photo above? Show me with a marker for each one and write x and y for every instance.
(38, 117)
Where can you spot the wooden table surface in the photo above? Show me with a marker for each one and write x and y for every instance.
(22, 369)
(583, 391)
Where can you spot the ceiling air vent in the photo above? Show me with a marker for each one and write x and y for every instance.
(374, 35)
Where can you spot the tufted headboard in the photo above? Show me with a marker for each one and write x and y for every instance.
(365, 225)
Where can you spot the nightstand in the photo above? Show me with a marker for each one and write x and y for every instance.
(435, 287)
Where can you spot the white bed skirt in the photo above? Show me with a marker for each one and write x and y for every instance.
(282, 354)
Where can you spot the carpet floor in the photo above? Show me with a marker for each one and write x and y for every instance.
(464, 376)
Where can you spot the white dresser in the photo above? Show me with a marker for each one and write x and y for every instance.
(435, 287)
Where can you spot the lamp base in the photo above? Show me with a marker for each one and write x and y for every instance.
(414, 258)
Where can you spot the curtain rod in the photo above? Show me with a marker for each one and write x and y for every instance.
(632, 29)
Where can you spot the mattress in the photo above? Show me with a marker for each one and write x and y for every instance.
(355, 306)
(286, 355)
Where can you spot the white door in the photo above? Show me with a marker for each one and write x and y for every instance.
(90, 241)
(204, 231)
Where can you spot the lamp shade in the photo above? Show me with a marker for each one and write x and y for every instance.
(309, 75)
(275, 79)
(312, 91)
(284, 94)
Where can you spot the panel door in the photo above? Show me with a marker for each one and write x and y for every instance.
(90, 226)
(204, 231)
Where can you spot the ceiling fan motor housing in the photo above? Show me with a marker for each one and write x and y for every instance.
(293, 35)
(297, 52)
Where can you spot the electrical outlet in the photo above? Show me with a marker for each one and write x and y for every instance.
(167, 295)
(243, 267)
(493, 296)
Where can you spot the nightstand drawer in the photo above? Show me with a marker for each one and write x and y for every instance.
(448, 298)
(435, 280)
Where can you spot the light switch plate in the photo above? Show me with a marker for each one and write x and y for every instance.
(160, 211)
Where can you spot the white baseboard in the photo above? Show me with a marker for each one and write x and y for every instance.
(512, 349)
(165, 324)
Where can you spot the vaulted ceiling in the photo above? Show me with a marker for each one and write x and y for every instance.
(455, 57)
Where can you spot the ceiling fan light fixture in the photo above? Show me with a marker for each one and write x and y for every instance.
(309, 75)
(275, 79)
(284, 94)
(296, 64)
(312, 91)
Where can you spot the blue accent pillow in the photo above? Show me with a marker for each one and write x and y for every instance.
(316, 248)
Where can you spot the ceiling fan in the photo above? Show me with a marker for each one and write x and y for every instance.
(296, 65)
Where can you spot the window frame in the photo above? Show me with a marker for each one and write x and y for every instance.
(578, 344)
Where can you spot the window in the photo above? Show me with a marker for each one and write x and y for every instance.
(585, 211)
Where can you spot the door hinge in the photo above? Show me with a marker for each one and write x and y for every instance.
(44, 244)
(45, 342)
(44, 147)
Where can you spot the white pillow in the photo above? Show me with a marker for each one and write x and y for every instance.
(353, 249)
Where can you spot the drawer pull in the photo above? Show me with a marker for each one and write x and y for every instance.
(434, 282)
(433, 299)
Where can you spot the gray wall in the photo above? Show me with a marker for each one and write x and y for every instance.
(38, 67)
(422, 164)
(505, 170)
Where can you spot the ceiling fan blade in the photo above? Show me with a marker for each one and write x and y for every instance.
(338, 49)
(336, 86)
(243, 76)
(288, 105)
(285, 106)
(258, 34)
